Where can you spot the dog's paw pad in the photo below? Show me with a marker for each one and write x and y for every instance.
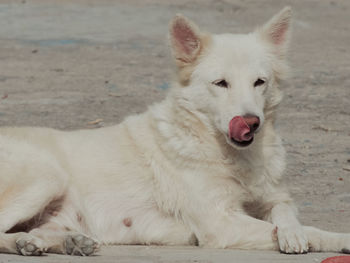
(80, 245)
(29, 247)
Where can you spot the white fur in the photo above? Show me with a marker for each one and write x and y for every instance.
(171, 171)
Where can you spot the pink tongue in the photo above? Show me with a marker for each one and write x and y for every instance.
(239, 129)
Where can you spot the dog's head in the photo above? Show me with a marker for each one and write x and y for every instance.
(232, 79)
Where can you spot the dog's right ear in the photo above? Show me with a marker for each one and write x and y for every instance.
(186, 40)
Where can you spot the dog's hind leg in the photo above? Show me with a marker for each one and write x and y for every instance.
(21, 243)
(59, 240)
(49, 238)
(29, 182)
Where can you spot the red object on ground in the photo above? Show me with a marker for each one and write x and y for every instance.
(338, 259)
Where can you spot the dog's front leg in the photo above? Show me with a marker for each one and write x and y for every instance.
(290, 233)
(295, 238)
(221, 230)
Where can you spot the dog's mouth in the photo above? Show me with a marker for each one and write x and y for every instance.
(242, 129)
(242, 143)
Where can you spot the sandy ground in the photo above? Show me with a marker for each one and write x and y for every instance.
(66, 64)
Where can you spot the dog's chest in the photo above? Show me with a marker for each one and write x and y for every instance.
(225, 183)
(249, 179)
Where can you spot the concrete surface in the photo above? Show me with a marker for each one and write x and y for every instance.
(144, 254)
(89, 63)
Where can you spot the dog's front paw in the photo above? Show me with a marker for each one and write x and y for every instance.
(292, 240)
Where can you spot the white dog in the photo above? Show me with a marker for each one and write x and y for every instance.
(202, 167)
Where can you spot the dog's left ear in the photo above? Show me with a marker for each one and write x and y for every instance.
(277, 31)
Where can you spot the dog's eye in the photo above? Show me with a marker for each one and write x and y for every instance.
(221, 83)
(259, 82)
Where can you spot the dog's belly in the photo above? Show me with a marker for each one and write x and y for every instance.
(118, 218)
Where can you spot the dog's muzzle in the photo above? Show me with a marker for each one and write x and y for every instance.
(242, 129)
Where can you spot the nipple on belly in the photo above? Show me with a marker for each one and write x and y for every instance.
(127, 222)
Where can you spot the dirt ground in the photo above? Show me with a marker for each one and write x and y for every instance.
(86, 64)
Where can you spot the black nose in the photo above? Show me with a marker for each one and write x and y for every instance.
(252, 121)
